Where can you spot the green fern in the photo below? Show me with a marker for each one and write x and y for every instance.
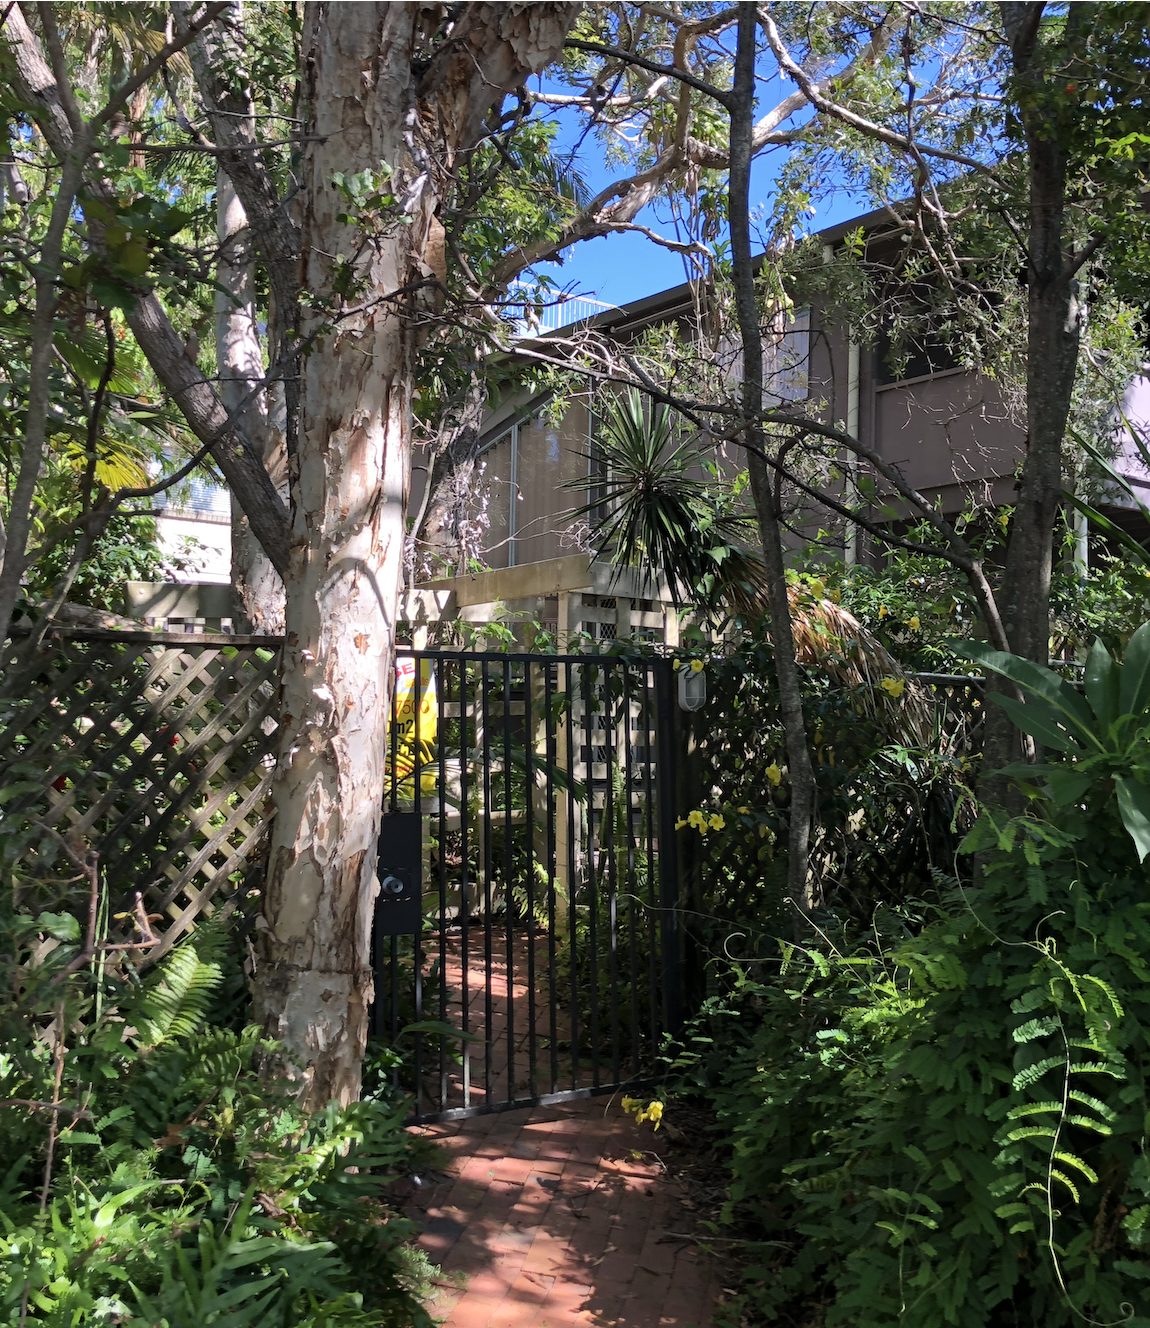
(174, 1002)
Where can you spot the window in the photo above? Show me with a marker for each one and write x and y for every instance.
(916, 354)
(934, 330)
(786, 357)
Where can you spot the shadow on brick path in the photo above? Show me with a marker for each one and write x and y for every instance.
(558, 1217)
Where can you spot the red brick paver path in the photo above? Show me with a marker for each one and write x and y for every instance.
(560, 1217)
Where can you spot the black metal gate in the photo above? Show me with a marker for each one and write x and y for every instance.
(527, 939)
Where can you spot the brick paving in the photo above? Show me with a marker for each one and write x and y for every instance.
(519, 1042)
(560, 1217)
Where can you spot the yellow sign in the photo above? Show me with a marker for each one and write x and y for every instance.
(415, 716)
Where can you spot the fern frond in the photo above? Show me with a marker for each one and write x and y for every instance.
(1049, 1107)
(1088, 1100)
(173, 1003)
(1032, 1073)
(1071, 1160)
(1035, 1028)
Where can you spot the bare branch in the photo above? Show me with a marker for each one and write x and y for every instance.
(821, 102)
(652, 66)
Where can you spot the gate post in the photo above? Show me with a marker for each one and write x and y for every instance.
(666, 762)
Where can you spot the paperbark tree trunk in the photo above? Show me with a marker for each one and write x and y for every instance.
(258, 587)
(389, 95)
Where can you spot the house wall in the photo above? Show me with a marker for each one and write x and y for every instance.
(199, 542)
(1130, 459)
(193, 528)
(950, 434)
(534, 475)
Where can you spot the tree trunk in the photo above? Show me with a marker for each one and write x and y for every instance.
(378, 104)
(256, 584)
(800, 768)
(1052, 346)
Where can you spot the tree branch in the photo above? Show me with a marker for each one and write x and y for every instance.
(217, 62)
(160, 342)
(820, 102)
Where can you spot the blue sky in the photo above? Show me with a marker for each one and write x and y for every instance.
(618, 269)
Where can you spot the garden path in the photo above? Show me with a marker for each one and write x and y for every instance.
(560, 1217)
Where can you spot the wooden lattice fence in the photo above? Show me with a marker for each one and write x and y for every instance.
(153, 749)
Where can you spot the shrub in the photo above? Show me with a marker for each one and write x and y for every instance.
(152, 1178)
(945, 1124)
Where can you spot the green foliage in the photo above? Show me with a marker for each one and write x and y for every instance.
(653, 511)
(891, 779)
(1101, 735)
(127, 551)
(916, 605)
(944, 1123)
(152, 1178)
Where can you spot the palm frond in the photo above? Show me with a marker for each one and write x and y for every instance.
(650, 509)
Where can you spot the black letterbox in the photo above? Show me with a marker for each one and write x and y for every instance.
(398, 908)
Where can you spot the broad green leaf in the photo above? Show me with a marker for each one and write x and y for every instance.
(1134, 689)
(1040, 721)
(1134, 808)
(133, 258)
(1068, 785)
(61, 925)
(1100, 681)
(1071, 709)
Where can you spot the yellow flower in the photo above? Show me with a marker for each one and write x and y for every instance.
(697, 820)
(774, 775)
(913, 623)
(696, 666)
(883, 611)
(677, 664)
(652, 1111)
(743, 811)
(718, 821)
(680, 823)
(894, 687)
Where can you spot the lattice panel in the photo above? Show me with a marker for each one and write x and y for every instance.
(156, 750)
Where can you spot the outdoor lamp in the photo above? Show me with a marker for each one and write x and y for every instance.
(693, 686)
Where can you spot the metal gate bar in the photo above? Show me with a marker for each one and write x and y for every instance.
(526, 937)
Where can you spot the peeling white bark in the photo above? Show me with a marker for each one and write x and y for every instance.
(314, 985)
(240, 362)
